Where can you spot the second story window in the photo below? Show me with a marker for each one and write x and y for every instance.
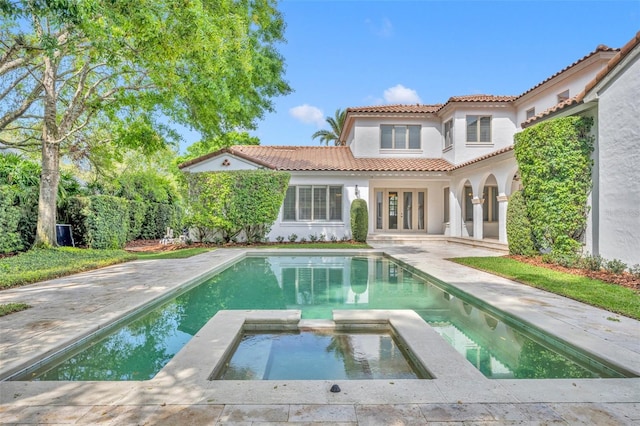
(448, 134)
(478, 128)
(400, 137)
(563, 96)
(531, 113)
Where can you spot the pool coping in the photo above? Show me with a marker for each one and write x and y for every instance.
(179, 389)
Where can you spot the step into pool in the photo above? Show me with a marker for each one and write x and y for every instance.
(319, 355)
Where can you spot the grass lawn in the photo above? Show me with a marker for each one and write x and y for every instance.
(10, 308)
(173, 254)
(611, 297)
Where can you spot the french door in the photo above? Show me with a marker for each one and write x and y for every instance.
(401, 210)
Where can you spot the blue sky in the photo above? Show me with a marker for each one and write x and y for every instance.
(343, 54)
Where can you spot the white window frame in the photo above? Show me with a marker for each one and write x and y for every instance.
(478, 131)
(563, 96)
(530, 113)
(394, 142)
(447, 132)
(312, 207)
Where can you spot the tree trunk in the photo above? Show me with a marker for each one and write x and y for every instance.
(47, 202)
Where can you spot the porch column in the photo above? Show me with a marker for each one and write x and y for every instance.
(477, 217)
(503, 202)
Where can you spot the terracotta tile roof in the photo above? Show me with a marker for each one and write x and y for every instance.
(329, 158)
(484, 157)
(600, 48)
(558, 107)
(415, 108)
(481, 98)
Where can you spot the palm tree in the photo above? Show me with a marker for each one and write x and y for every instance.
(336, 124)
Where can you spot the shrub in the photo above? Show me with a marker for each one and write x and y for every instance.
(303, 239)
(519, 232)
(592, 262)
(615, 266)
(279, 239)
(99, 221)
(359, 220)
(137, 214)
(11, 240)
(292, 238)
(635, 270)
(334, 238)
(313, 238)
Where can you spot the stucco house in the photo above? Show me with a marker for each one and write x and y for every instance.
(446, 171)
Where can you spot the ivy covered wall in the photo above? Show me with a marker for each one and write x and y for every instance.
(555, 164)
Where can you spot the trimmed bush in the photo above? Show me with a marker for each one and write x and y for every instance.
(9, 220)
(137, 214)
(518, 227)
(359, 220)
(99, 221)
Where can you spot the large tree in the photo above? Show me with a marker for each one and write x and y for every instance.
(336, 123)
(132, 67)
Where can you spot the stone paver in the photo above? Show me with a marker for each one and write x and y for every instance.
(66, 309)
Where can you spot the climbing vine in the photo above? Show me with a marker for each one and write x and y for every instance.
(555, 164)
(231, 203)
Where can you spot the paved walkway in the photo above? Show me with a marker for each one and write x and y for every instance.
(66, 309)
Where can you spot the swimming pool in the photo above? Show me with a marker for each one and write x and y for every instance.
(317, 285)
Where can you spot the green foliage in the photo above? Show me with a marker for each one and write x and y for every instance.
(235, 202)
(44, 264)
(359, 220)
(99, 221)
(10, 308)
(22, 178)
(9, 218)
(216, 143)
(121, 69)
(615, 266)
(518, 227)
(591, 262)
(336, 123)
(137, 215)
(555, 163)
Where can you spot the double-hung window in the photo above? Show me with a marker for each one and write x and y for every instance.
(478, 128)
(448, 134)
(400, 137)
(312, 203)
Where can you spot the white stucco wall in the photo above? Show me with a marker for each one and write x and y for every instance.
(619, 164)
(366, 143)
(221, 163)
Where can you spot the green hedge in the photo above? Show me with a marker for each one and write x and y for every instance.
(11, 240)
(359, 220)
(99, 221)
(518, 227)
(137, 214)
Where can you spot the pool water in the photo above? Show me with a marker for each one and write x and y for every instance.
(314, 355)
(317, 285)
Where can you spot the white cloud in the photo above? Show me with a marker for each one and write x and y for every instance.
(308, 114)
(401, 95)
